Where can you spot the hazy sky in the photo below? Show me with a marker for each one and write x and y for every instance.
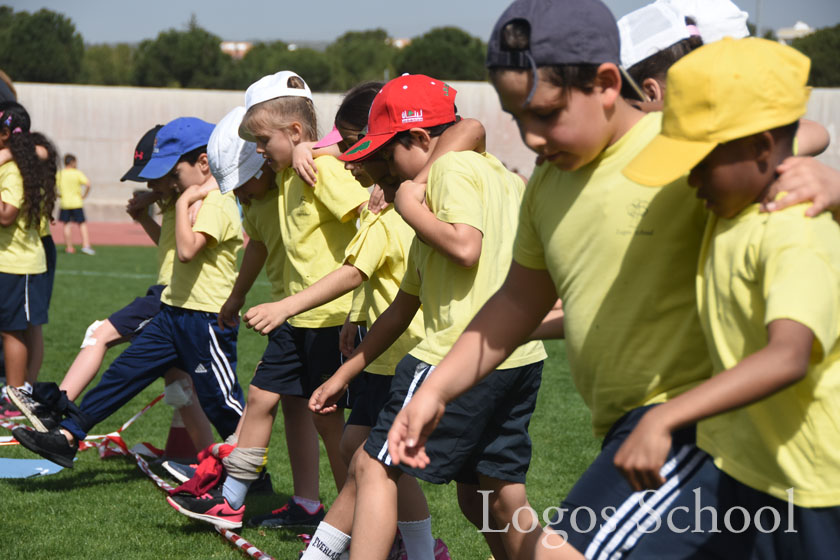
(112, 21)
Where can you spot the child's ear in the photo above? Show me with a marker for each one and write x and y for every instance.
(203, 163)
(608, 80)
(764, 146)
(421, 137)
(295, 132)
(653, 89)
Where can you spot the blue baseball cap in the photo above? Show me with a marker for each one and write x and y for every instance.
(175, 139)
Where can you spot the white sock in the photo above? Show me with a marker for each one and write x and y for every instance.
(311, 506)
(235, 490)
(327, 543)
(27, 388)
(418, 540)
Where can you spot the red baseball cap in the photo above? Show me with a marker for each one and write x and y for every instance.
(410, 101)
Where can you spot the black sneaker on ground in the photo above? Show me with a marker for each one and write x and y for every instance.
(50, 445)
(211, 507)
(290, 515)
(182, 472)
(41, 418)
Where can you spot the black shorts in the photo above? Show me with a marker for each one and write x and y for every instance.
(131, 319)
(298, 360)
(42, 284)
(72, 215)
(369, 393)
(24, 301)
(482, 432)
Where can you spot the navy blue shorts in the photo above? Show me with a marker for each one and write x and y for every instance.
(44, 282)
(131, 319)
(603, 517)
(72, 215)
(24, 301)
(176, 337)
(369, 393)
(298, 360)
(482, 432)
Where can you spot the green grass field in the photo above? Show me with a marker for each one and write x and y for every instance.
(109, 508)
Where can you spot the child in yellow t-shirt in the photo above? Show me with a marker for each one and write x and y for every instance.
(768, 292)
(73, 187)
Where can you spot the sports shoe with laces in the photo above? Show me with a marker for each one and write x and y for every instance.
(183, 472)
(41, 418)
(290, 515)
(51, 445)
(211, 507)
(88, 251)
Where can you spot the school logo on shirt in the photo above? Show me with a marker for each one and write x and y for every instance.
(200, 368)
(412, 116)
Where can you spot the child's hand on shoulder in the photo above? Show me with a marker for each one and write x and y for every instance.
(266, 317)
(806, 179)
(139, 203)
(304, 163)
(377, 202)
(644, 452)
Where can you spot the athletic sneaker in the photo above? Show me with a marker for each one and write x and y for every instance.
(183, 472)
(8, 408)
(399, 552)
(290, 515)
(50, 445)
(88, 251)
(41, 418)
(211, 507)
(441, 550)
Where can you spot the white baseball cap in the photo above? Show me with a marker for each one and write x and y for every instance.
(715, 19)
(650, 29)
(233, 161)
(272, 86)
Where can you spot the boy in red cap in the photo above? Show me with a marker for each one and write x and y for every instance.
(462, 218)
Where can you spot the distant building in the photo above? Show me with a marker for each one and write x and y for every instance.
(400, 43)
(236, 49)
(799, 30)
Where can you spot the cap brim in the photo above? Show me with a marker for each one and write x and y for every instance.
(366, 147)
(133, 174)
(158, 167)
(334, 137)
(665, 160)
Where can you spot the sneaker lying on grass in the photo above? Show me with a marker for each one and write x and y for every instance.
(290, 515)
(8, 410)
(182, 472)
(41, 418)
(211, 507)
(51, 445)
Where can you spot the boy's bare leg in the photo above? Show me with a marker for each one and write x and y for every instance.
(375, 517)
(68, 237)
(301, 443)
(551, 546)
(83, 229)
(16, 356)
(330, 427)
(89, 359)
(195, 421)
(35, 346)
(472, 506)
(508, 501)
(259, 418)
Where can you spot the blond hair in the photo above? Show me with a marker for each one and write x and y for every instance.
(280, 113)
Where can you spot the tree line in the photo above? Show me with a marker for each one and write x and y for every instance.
(45, 46)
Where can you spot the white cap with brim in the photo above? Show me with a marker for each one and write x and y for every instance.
(273, 86)
(715, 19)
(233, 161)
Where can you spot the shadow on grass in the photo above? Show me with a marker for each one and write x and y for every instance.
(75, 479)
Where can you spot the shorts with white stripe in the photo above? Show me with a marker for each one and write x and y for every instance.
(482, 432)
(175, 338)
(603, 517)
(24, 302)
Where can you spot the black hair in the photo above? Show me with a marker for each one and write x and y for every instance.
(192, 156)
(69, 158)
(355, 107)
(656, 65)
(51, 165)
(516, 36)
(38, 182)
(404, 136)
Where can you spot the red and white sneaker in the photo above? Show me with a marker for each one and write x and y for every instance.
(211, 507)
(441, 550)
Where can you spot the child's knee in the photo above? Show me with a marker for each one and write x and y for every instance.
(261, 401)
(179, 393)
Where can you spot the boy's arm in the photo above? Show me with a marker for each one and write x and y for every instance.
(812, 138)
(86, 190)
(505, 322)
(782, 362)
(464, 136)
(460, 243)
(252, 262)
(382, 334)
(8, 214)
(138, 208)
(806, 179)
(551, 325)
(266, 317)
(188, 243)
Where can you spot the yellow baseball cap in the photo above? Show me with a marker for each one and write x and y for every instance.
(722, 91)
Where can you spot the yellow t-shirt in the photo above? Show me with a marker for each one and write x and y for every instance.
(622, 258)
(318, 224)
(380, 251)
(69, 183)
(756, 268)
(205, 282)
(261, 219)
(166, 246)
(21, 250)
(477, 190)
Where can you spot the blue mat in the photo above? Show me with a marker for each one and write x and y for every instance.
(27, 468)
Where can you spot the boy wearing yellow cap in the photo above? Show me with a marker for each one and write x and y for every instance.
(768, 291)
